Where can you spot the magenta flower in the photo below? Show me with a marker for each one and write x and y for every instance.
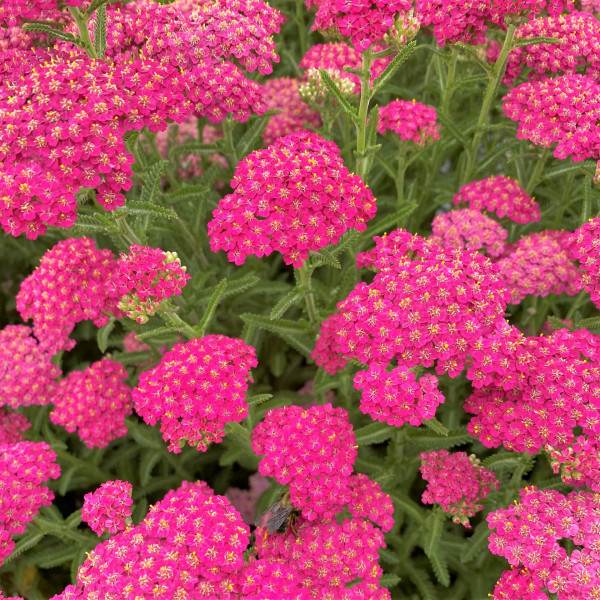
(108, 508)
(94, 403)
(12, 426)
(370, 502)
(293, 197)
(410, 121)
(585, 245)
(196, 389)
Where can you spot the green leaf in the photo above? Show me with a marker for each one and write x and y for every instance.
(100, 31)
(103, 333)
(346, 107)
(325, 257)
(421, 580)
(576, 168)
(503, 461)
(258, 399)
(152, 183)
(408, 506)
(247, 141)
(292, 297)
(156, 332)
(140, 208)
(591, 323)
(455, 437)
(557, 323)
(148, 462)
(388, 556)
(536, 40)
(472, 52)
(57, 33)
(235, 287)
(586, 207)
(29, 540)
(432, 548)
(143, 435)
(131, 358)
(239, 436)
(65, 479)
(394, 65)
(391, 222)
(73, 520)
(389, 580)
(453, 129)
(374, 433)
(293, 332)
(477, 544)
(194, 148)
(211, 308)
(95, 5)
(187, 192)
(436, 426)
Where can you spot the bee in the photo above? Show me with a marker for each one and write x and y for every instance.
(280, 516)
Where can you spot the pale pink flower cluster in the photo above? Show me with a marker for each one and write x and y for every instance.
(562, 111)
(245, 500)
(467, 228)
(585, 245)
(410, 121)
(12, 426)
(540, 264)
(144, 278)
(108, 509)
(501, 195)
(93, 403)
(26, 373)
(533, 535)
(71, 284)
(456, 482)
(396, 397)
(196, 389)
(293, 197)
(24, 467)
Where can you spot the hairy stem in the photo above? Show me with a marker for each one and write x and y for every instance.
(84, 33)
(363, 113)
(309, 297)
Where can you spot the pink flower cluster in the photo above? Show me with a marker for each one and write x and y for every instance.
(12, 12)
(294, 196)
(190, 545)
(536, 392)
(108, 508)
(327, 555)
(540, 264)
(457, 482)
(585, 245)
(427, 306)
(531, 535)
(370, 502)
(26, 373)
(562, 111)
(314, 451)
(396, 397)
(501, 195)
(24, 467)
(578, 464)
(281, 93)
(362, 23)
(579, 34)
(144, 278)
(70, 285)
(411, 121)
(94, 403)
(245, 500)
(12, 426)
(467, 228)
(592, 6)
(467, 20)
(196, 389)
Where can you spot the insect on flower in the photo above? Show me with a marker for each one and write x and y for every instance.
(279, 516)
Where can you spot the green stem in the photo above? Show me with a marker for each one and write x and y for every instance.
(168, 313)
(400, 172)
(193, 243)
(363, 113)
(231, 152)
(581, 297)
(537, 172)
(84, 34)
(450, 82)
(490, 93)
(125, 230)
(300, 10)
(305, 273)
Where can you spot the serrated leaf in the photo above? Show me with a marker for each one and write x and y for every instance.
(346, 107)
(103, 333)
(195, 148)
(100, 31)
(436, 426)
(455, 437)
(143, 435)
(421, 580)
(187, 192)
(519, 43)
(95, 5)
(373, 433)
(502, 461)
(326, 257)
(152, 183)
(453, 129)
(57, 33)
(294, 333)
(472, 52)
(391, 222)
(591, 323)
(388, 556)
(393, 66)
(565, 169)
(48, 559)
(73, 520)
(211, 308)
(247, 141)
(388, 580)
(477, 544)
(158, 331)
(29, 540)
(131, 358)
(432, 548)
(258, 399)
(138, 207)
(556, 323)
(239, 436)
(65, 479)
(284, 304)
(408, 506)
(148, 462)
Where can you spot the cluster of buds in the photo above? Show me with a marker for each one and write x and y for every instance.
(406, 26)
(314, 91)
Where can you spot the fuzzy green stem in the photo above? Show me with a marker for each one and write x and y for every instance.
(490, 93)
(537, 172)
(84, 34)
(400, 172)
(231, 152)
(581, 297)
(305, 273)
(450, 82)
(168, 313)
(363, 113)
(300, 11)
(126, 232)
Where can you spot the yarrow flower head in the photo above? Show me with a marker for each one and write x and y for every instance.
(12, 426)
(313, 450)
(294, 196)
(411, 121)
(26, 373)
(428, 305)
(245, 500)
(396, 397)
(500, 195)
(283, 93)
(562, 111)
(531, 535)
(457, 482)
(24, 467)
(467, 228)
(585, 245)
(144, 278)
(196, 389)
(370, 502)
(94, 403)
(193, 535)
(71, 284)
(363, 23)
(108, 508)
(540, 264)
